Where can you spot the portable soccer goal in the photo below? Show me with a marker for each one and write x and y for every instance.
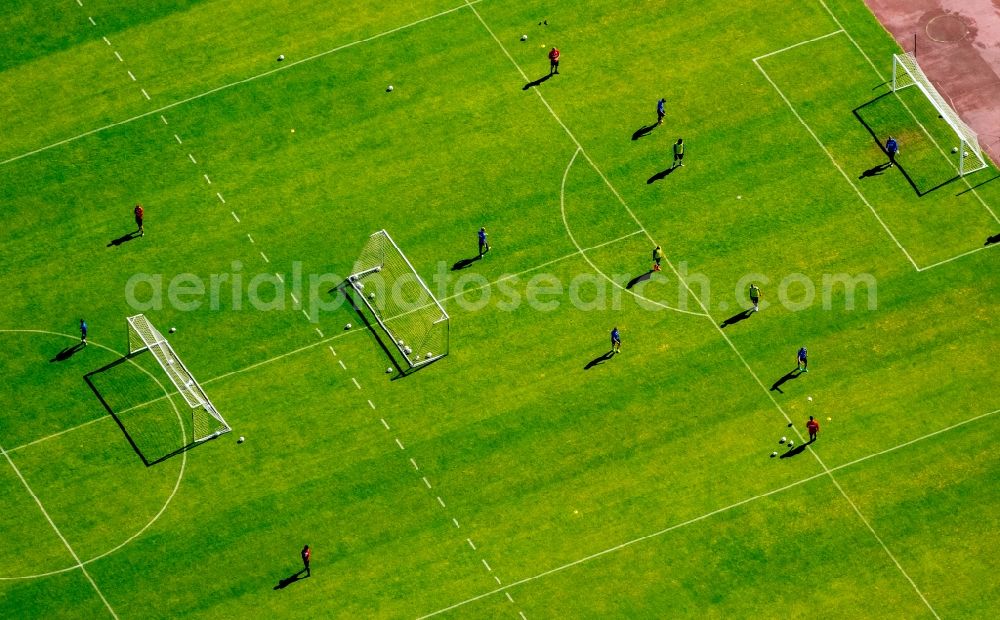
(906, 72)
(207, 422)
(402, 304)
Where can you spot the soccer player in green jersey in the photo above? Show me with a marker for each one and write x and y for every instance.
(755, 297)
(679, 152)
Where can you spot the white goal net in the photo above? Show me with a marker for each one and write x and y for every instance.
(142, 336)
(404, 307)
(906, 72)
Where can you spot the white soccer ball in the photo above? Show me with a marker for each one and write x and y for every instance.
(407, 350)
(783, 440)
(388, 370)
(281, 57)
(389, 88)
(241, 439)
(965, 154)
(348, 326)
(173, 329)
(954, 149)
(361, 285)
(371, 295)
(791, 443)
(524, 37)
(429, 355)
(774, 454)
(400, 342)
(378, 269)
(809, 398)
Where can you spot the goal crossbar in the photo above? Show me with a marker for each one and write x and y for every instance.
(150, 339)
(906, 72)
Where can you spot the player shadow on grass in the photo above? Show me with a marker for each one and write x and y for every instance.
(67, 353)
(600, 359)
(123, 239)
(791, 374)
(736, 318)
(994, 239)
(535, 83)
(660, 175)
(799, 449)
(643, 131)
(639, 278)
(289, 580)
(874, 172)
(465, 262)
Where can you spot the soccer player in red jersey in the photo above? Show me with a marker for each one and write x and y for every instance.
(306, 555)
(554, 61)
(138, 219)
(813, 427)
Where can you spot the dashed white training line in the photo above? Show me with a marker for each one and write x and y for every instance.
(193, 160)
(106, 40)
(335, 355)
(235, 217)
(145, 94)
(469, 540)
(306, 314)
(207, 180)
(356, 384)
(178, 138)
(219, 194)
(428, 483)
(523, 617)
(441, 501)
(455, 521)
(372, 405)
(320, 333)
(282, 280)
(80, 2)
(498, 580)
(509, 597)
(162, 117)
(414, 463)
(92, 22)
(249, 237)
(342, 365)
(400, 444)
(296, 301)
(385, 424)
(118, 56)
(131, 75)
(486, 564)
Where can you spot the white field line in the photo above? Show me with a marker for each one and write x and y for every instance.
(912, 115)
(252, 78)
(948, 260)
(58, 533)
(180, 473)
(837, 165)
(712, 513)
(800, 43)
(698, 299)
(569, 232)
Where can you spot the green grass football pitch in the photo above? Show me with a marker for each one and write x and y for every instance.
(526, 474)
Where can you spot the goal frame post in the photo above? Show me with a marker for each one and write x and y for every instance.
(150, 339)
(906, 72)
(414, 358)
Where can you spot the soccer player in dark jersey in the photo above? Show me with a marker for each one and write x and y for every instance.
(755, 297)
(554, 61)
(306, 556)
(139, 213)
(803, 360)
(657, 257)
(83, 332)
(660, 111)
(891, 147)
(616, 341)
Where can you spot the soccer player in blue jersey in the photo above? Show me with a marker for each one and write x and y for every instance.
(83, 332)
(484, 245)
(616, 341)
(660, 111)
(803, 360)
(891, 147)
